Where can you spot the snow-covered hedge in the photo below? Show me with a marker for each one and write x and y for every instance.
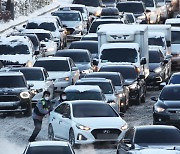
(24, 7)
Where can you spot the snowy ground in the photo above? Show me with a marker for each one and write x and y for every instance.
(15, 130)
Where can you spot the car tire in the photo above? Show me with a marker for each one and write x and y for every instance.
(28, 111)
(71, 138)
(50, 132)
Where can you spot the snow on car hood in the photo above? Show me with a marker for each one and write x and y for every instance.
(37, 84)
(20, 58)
(101, 122)
(58, 74)
(83, 66)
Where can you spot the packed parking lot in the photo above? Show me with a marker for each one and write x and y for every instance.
(108, 72)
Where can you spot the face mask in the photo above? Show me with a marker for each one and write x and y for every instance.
(46, 98)
(64, 97)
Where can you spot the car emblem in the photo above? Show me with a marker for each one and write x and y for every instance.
(106, 131)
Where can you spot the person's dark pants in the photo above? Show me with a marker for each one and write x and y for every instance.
(37, 125)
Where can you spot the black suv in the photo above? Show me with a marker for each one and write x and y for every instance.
(15, 95)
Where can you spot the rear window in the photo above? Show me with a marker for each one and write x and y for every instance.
(53, 65)
(49, 150)
(12, 81)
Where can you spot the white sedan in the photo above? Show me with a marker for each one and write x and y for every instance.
(86, 122)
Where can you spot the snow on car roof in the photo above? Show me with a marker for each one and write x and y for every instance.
(11, 74)
(155, 27)
(82, 88)
(42, 19)
(155, 34)
(120, 45)
(52, 58)
(35, 31)
(120, 27)
(159, 151)
(49, 143)
(107, 19)
(172, 20)
(154, 47)
(175, 29)
(14, 40)
(72, 5)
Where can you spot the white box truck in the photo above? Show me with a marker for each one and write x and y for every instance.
(124, 44)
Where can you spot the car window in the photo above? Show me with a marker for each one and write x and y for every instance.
(170, 93)
(175, 37)
(175, 79)
(93, 110)
(12, 82)
(60, 109)
(49, 150)
(31, 25)
(53, 65)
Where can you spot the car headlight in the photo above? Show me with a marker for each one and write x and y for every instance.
(133, 86)
(124, 127)
(24, 95)
(159, 109)
(82, 127)
(157, 70)
(62, 79)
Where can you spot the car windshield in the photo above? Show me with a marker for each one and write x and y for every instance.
(148, 3)
(49, 150)
(114, 78)
(93, 110)
(53, 65)
(175, 37)
(13, 50)
(156, 41)
(43, 36)
(136, 8)
(106, 87)
(32, 25)
(94, 3)
(76, 57)
(83, 95)
(35, 75)
(119, 55)
(175, 79)
(170, 93)
(155, 136)
(154, 57)
(95, 25)
(92, 47)
(12, 82)
(69, 16)
(127, 72)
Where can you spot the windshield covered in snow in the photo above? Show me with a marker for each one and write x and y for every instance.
(82, 110)
(119, 55)
(6, 49)
(175, 37)
(12, 82)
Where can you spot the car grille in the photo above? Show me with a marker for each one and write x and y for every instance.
(70, 31)
(106, 133)
(9, 98)
(174, 114)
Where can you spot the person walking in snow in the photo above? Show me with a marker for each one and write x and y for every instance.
(42, 108)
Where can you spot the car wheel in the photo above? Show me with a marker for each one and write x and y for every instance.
(71, 138)
(50, 132)
(28, 111)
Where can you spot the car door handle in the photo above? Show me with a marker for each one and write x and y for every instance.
(60, 122)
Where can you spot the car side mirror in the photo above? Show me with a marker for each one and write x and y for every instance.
(154, 99)
(165, 61)
(24, 26)
(36, 53)
(30, 85)
(74, 68)
(143, 61)
(95, 62)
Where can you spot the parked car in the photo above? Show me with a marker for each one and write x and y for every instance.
(144, 137)
(81, 58)
(118, 83)
(15, 95)
(84, 92)
(134, 81)
(73, 21)
(46, 147)
(17, 51)
(157, 67)
(45, 37)
(92, 46)
(108, 90)
(135, 7)
(61, 70)
(51, 24)
(167, 107)
(39, 78)
(85, 122)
